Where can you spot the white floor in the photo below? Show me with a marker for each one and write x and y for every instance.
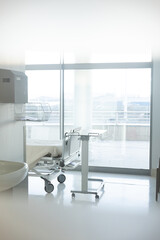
(126, 210)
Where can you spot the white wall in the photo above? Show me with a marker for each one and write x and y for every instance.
(11, 131)
(11, 134)
(155, 128)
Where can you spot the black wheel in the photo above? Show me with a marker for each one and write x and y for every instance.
(73, 195)
(49, 187)
(61, 163)
(61, 178)
(97, 196)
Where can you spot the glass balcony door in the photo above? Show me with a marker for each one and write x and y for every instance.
(117, 103)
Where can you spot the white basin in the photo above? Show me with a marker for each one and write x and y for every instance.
(12, 173)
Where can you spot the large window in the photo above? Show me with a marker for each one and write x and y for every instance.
(112, 98)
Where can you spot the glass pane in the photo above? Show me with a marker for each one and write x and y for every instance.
(116, 103)
(44, 103)
(135, 55)
(42, 57)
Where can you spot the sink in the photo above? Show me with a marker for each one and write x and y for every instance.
(12, 173)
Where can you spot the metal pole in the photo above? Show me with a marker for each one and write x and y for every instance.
(62, 98)
(84, 166)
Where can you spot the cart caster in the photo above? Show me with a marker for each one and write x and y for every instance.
(61, 178)
(49, 187)
(97, 196)
(73, 195)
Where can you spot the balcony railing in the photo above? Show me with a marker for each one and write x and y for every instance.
(108, 117)
(121, 117)
(44, 112)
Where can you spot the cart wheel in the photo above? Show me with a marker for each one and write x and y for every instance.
(97, 196)
(61, 178)
(73, 195)
(49, 187)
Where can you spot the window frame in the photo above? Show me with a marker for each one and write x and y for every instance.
(88, 66)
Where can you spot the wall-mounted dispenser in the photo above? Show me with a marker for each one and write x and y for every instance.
(13, 86)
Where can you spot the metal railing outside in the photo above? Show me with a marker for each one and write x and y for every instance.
(107, 117)
(121, 117)
(99, 117)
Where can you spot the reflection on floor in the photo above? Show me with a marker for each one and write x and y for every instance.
(125, 210)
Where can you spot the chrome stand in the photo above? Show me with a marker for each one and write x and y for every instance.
(85, 169)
